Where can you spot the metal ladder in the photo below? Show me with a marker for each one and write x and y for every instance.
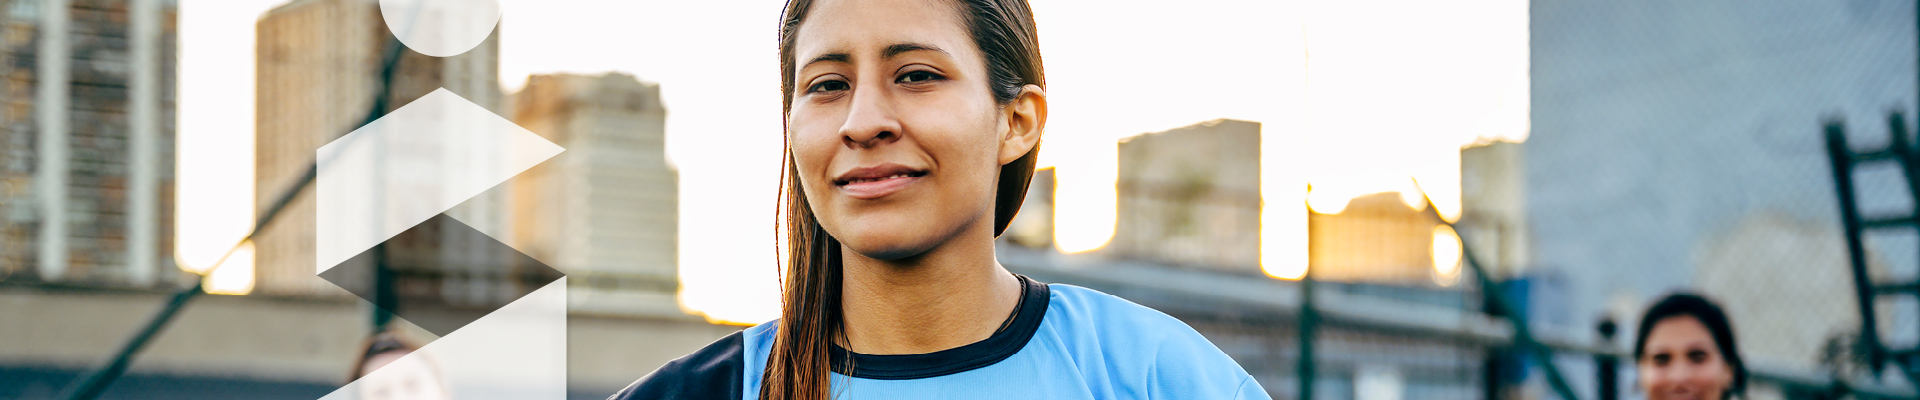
(1900, 151)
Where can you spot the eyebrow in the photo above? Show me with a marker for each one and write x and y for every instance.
(903, 48)
(890, 52)
(835, 57)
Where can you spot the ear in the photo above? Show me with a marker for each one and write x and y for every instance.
(1025, 118)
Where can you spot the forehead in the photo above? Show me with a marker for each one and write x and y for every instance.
(1679, 330)
(861, 27)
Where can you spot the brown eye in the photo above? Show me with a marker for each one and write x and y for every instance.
(918, 77)
(828, 86)
(1662, 359)
(1697, 356)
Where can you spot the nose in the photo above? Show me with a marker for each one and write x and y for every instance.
(870, 119)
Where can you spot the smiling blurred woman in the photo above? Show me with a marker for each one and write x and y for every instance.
(1685, 351)
(912, 129)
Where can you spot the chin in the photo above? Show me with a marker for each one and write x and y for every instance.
(891, 233)
(881, 238)
(885, 246)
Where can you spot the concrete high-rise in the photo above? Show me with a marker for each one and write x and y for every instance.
(318, 72)
(1190, 196)
(607, 210)
(86, 140)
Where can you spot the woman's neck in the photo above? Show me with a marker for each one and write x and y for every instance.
(952, 296)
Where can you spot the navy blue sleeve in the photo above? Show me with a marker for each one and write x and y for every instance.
(713, 372)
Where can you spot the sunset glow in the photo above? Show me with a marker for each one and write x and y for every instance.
(1351, 98)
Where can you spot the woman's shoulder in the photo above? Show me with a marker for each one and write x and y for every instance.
(1132, 340)
(713, 372)
(1108, 314)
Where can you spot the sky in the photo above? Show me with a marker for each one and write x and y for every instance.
(1354, 97)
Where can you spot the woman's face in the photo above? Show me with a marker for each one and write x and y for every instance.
(1682, 362)
(401, 378)
(896, 139)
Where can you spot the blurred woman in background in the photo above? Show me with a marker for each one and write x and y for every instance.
(1685, 350)
(415, 378)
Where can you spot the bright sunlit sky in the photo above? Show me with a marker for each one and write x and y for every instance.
(1354, 96)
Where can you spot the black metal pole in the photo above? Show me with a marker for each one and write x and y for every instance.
(1608, 378)
(384, 300)
(1842, 159)
(1309, 318)
(96, 382)
(1498, 358)
(1903, 149)
(1522, 333)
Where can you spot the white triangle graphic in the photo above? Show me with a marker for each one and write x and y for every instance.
(410, 165)
(516, 352)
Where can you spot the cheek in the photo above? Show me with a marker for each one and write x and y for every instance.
(969, 156)
(967, 133)
(1651, 376)
(1658, 378)
(1718, 375)
(813, 143)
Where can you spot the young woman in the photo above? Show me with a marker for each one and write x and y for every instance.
(912, 128)
(1685, 350)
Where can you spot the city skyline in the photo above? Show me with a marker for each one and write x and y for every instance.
(1759, 157)
(1194, 63)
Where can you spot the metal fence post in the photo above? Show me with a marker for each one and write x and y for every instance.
(1607, 364)
(1308, 318)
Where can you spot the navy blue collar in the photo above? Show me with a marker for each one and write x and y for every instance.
(1003, 344)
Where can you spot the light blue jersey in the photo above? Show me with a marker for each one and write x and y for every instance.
(1065, 342)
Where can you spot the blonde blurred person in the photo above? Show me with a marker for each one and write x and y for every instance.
(401, 377)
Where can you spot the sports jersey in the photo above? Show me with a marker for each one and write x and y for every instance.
(1063, 342)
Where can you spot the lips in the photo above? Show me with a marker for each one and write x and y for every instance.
(877, 181)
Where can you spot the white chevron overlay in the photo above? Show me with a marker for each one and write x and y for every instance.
(410, 165)
(417, 162)
(516, 352)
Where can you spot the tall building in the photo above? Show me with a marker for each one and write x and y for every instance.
(1188, 228)
(86, 140)
(606, 210)
(1377, 238)
(1493, 218)
(318, 70)
(1190, 196)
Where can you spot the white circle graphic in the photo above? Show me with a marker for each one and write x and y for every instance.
(440, 28)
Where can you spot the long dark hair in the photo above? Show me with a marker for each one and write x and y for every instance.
(798, 368)
(1709, 314)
